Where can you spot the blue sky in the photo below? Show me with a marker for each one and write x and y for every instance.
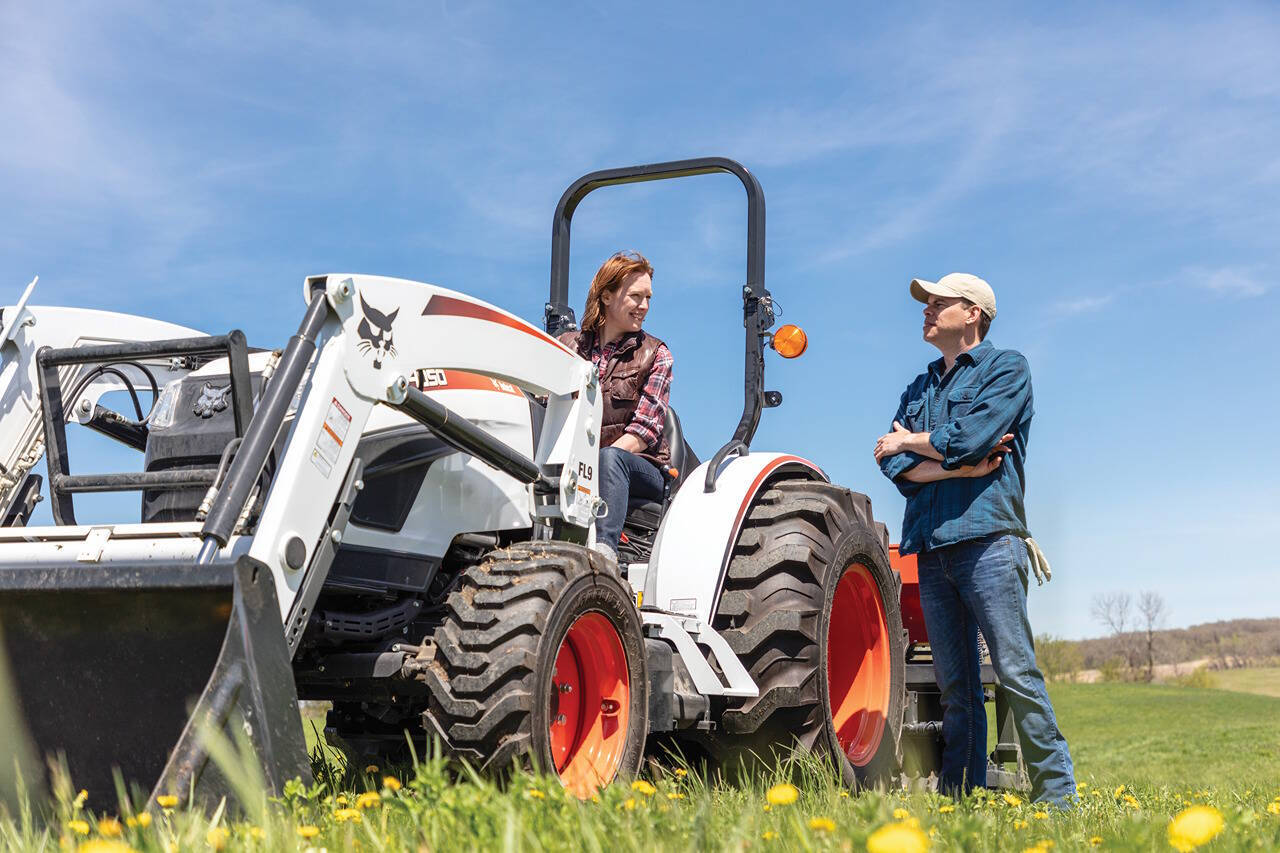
(1111, 170)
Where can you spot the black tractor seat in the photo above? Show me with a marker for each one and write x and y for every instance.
(647, 514)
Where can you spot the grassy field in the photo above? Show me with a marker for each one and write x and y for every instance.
(1143, 755)
(1263, 681)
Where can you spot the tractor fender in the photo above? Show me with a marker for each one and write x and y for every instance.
(691, 553)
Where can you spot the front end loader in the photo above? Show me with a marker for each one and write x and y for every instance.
(394, 514)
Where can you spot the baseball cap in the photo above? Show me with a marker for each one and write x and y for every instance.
(960, 284)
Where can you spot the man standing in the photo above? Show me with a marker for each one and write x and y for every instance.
(957, 451)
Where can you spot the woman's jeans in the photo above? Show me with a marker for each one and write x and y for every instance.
(982, 585)
(623, 476)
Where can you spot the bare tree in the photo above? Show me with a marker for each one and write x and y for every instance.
(1115, 611)
(1151, 615)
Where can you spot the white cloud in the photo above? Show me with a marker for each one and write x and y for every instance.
(1080, 305)
(1230, 281)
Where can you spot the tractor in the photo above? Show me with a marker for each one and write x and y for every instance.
(394, 514)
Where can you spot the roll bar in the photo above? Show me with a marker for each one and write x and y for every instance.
(757, 305)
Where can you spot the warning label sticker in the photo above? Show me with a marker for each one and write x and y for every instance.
(337, 422)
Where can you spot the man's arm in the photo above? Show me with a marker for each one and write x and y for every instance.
(931, 471)
(968, 439)
(903, 440)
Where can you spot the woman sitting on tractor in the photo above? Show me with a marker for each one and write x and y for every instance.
(635, 378)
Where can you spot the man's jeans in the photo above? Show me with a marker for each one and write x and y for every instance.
(623, 476)
(982, 584)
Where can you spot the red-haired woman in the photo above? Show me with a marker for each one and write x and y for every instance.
(635, 378)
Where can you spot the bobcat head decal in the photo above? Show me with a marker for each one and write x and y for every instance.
(375, 333)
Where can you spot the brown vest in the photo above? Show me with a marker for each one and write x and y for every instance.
(621, 384)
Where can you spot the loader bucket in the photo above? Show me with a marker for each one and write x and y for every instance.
(128, 667)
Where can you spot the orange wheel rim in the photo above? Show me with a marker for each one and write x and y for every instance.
(590, 705)
(858, 668)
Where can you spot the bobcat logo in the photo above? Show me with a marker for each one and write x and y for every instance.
(212, 400)
(375, 333)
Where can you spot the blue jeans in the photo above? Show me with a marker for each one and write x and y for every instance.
(982, 584)
(624, 476)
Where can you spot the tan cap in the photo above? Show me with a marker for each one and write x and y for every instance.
(959, 284)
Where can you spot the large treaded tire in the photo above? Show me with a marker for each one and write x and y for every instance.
(799, 539)
(491, 696)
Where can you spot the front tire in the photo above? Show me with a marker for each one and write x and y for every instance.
(540, 661)
(810, 606)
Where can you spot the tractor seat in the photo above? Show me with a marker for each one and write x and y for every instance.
(646, 513)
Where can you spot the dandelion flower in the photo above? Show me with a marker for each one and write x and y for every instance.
(675, 796)
(901, 814)
(109, 827)
(1118, 792)
(144, 819)
(217, 837)
(897, 838)
(1273, 808)
(947, 809)
(782, 795)
(1020, 824)
(1131, 801)
(80, 799)
(1041, 815)
(822, 824)
(308, 831)
(166, 801)
(629, 804)
(344, 815)
(1095, 841)
(680, 772)
(391, 783)
(643, 787)
(1193, 827)
(1080, 786)
(102, 845)
(844, 794)
(368, 800)
(257, 833)
(535, 794)
(769, 836)
(79, 827)
(1012, 800)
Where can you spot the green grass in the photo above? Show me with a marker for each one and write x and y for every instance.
(1264, 681)
(1168, 746)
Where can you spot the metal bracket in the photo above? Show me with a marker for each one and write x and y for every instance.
(686, 634)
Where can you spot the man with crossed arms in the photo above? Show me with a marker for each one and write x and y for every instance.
(956, 452)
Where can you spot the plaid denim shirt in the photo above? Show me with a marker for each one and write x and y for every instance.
(986, 394)
(651, 410)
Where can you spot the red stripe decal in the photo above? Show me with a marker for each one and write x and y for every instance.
(451, 306)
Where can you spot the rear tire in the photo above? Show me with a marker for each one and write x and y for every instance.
(810, 606)
(540, 661)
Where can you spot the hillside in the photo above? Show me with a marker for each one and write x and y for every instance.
(1225, 645)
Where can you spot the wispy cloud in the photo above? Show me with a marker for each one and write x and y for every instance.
(1234, 282)
(1080, 305)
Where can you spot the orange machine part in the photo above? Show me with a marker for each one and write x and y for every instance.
(912, 615)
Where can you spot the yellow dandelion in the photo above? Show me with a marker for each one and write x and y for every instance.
(1020, 824)
(102, 845)
(933, 832)
(782, 795)
(79, 827)
(344, 815)
(171, 847)
(372, 768)
(1012, 799)
(166, 801)
(391, 783)
(535, 794)
(1095, 841)
(766, 807)
(308, 831)
(1041, 815)
(1080, 786)
(901, 814)
(368, 800)
(341, 800)
(143, 819)
(897, 838)
(643, 787)
(822, 824)
(1194, 826)
(675, 796)
(629, 804)
(947, 809)
(257, 833)
(844, 794)
(680, 772)
(109, 827)
(769, 836)
(80, 799)
(1273, 808)
(1118, 792)
(217, 837)
(1131, 801)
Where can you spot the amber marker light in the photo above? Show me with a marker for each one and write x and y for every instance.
(790, 341)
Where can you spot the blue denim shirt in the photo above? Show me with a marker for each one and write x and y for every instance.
(986, 394)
